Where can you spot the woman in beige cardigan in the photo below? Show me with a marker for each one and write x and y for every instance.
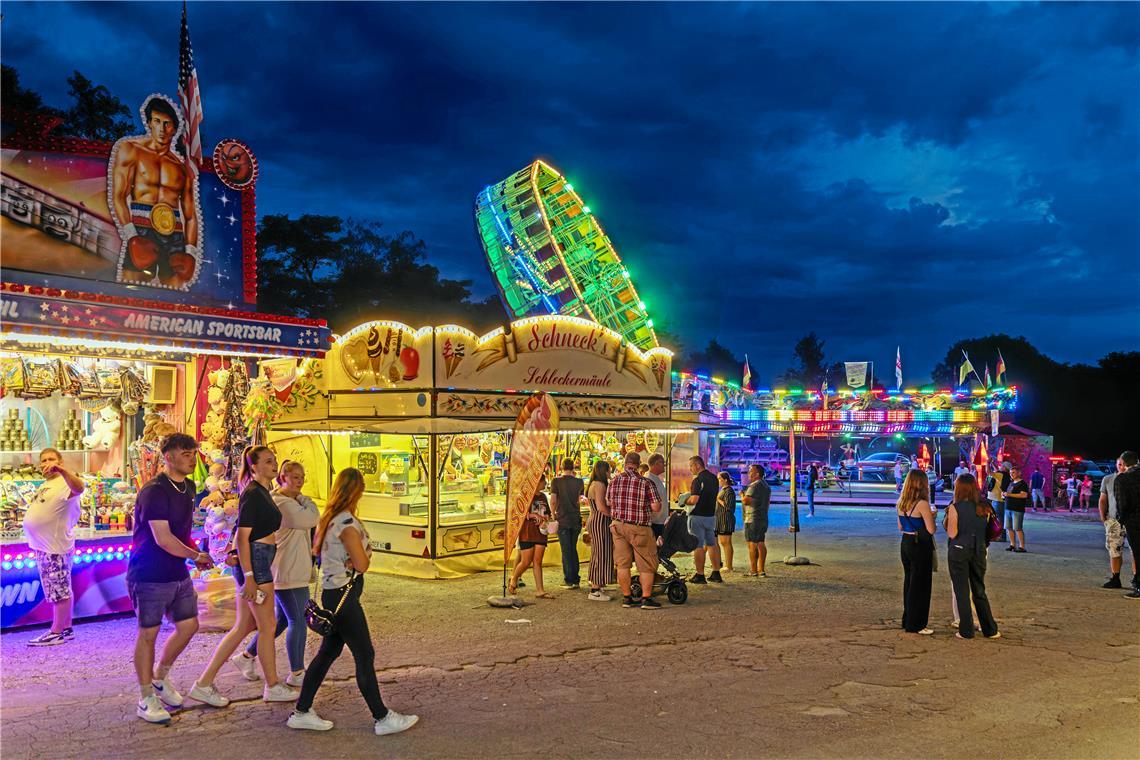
(292, 572)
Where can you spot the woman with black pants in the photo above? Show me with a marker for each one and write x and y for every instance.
(916, 523)
(345, 556)
(966, 521)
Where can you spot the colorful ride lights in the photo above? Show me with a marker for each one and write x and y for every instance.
(83, 554)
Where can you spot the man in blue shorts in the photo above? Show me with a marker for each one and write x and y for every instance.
(158, 580)
(702, 520)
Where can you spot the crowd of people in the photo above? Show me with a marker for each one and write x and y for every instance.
(274, 560)
(974, 520)
(283, 543)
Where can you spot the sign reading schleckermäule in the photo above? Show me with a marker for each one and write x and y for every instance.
(556, 354)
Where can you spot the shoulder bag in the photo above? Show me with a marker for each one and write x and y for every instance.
(320, 620)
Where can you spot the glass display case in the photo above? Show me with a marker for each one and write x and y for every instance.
(472, 477)
(395, 467)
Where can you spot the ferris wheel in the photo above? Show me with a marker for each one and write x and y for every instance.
(549, 254)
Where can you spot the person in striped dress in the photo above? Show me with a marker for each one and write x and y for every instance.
(602, 571)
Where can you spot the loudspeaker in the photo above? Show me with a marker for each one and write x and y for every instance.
(163, 384)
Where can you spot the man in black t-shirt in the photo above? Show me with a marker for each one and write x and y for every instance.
(702, 520)
(567, 491)
(158, 580)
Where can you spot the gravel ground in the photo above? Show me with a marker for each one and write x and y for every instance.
(809, 662)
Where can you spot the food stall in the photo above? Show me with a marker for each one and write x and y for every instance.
(109, 339)
(425, 414)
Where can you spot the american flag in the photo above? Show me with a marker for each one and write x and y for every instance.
(191, 98)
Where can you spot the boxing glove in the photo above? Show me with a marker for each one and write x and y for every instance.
(143, 253)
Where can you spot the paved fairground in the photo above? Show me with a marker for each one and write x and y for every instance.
(809, 662)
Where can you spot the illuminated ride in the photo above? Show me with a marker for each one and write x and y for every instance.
(549, 255)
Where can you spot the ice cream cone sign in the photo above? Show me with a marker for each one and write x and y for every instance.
(531, 443)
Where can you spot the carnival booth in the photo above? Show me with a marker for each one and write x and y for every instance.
(125, 314)
(426, 415)
(840, 431)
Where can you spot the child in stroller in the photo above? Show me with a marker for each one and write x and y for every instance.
(674, 538)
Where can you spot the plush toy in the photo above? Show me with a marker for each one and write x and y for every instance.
(105, 430)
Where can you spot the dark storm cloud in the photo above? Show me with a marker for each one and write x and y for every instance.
(881, 174)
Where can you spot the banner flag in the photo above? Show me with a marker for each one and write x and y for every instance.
(531, 444)
(856, 373)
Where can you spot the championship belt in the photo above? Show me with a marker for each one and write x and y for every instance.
(162, 218)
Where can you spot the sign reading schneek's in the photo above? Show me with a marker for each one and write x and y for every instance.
(557, 354)
(40, 315)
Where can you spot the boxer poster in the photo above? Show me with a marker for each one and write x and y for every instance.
(153, 199)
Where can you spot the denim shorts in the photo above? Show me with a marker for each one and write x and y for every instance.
(176, 599)
(1014, 520)
(704, 528)
(261, 557)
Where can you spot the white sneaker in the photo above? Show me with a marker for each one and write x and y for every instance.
(279, 693)
(165, 691)
(598, 596)
(247, 666)
(926, 632)
(394, 723)
(208, 694)
(152, 711)
(295, 679)
(308, 721)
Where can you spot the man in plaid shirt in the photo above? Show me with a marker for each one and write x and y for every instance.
(632, 500)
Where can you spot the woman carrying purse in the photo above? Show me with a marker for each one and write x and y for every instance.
(970, 525)
(345, 555)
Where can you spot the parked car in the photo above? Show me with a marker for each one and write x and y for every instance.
(883, 460)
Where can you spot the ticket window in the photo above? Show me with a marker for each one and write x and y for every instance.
(472, 477)
(394, 468)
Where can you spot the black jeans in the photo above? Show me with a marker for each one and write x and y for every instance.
(568, 543)
(351, 629)
(918, 565)
(968, 575)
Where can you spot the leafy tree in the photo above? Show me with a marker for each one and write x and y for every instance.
(715, 360)
(96, 114)
(14, 97)
(809, 365)
(296, 259)
(1090, 411)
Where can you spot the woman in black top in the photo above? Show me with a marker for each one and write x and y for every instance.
(256, 543)
(966, 521)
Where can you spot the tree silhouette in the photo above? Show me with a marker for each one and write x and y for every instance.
(809, 365)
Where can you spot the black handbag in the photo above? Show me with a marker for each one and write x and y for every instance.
(320, 620)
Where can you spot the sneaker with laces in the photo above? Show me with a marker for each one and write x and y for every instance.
(714, 577)
(208, 694)
(152, 711)
(49, 639)
(572, 586)
(247, 666)
(295, 679)
(394, 723)
(598, 596)
(648, 603)
(68, 633)
(165, 691)
(698, 579)
(1133, 594)
(628, 601)
(308, 721)
(279, 692)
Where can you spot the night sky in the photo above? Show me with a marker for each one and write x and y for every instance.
(882, 174)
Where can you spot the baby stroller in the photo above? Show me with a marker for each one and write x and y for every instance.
(675, 538)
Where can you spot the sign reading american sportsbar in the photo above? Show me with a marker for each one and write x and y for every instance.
(46, 316)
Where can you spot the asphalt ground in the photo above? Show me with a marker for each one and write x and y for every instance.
(808, 663)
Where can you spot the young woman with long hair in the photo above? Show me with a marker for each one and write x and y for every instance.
(916, 524)
(532, 543)
(966, 520)
(602, 572)
(292, 573)
(256, 543)
(342, 543)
